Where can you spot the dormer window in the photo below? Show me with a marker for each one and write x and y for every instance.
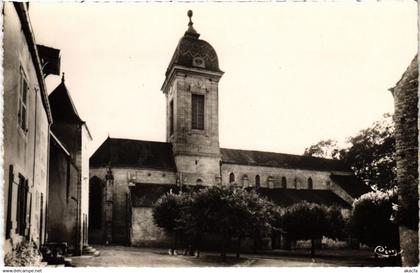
(199, 62)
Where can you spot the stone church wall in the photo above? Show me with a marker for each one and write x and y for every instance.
(121, 220)
(271, 177)
(144, 231)
(320, 180)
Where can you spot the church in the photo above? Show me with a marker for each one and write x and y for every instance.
(127, 176)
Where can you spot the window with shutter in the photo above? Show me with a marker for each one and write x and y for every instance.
(23, 98)
(22, 205)
(197, 111)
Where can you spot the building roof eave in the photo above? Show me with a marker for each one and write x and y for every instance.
(22, 12)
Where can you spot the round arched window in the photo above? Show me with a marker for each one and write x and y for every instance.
(310, 183)
(231, 177)
(284, 182)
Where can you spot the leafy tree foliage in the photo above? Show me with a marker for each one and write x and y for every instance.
(324, 148)
(371, 219)
(230, 211)
(306, 221)
(370, 153)
(167, 211)
(233, 212)
(226, 211)
(337, 225)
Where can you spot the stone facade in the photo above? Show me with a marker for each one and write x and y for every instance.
(406, 134)
(271, 177)
(145, 232)
(122, 224)
(197, 152)
(62, 209)
(26, 120)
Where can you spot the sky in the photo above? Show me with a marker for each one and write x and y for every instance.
(295, 73)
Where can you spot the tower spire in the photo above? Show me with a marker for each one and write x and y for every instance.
(190, 14)
(62, 77)
(191, 31)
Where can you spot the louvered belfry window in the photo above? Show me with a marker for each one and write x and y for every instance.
(171, 117)
(197, 105)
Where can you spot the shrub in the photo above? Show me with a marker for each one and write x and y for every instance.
(25, 254)
(306, 221)
(336, 223)
(371, 219)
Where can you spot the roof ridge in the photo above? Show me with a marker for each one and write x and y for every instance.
(278, 153)
(138, 140)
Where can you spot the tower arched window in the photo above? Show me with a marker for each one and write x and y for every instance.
(284, 182)
(231, 177)
(270, 182)
(310, 183)
(296, 183)
(257, 181)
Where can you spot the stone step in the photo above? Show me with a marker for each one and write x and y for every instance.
(91, 251)
(67, 261)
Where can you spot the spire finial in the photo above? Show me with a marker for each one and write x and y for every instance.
(191, 31)
(62, 77)
(190, 14)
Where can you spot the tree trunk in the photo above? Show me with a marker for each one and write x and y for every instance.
(196, 246)
(176, 241)
(312, 247)
(223, 251)
(255, 242)
(238, 248)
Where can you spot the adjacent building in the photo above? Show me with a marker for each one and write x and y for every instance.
(45, 163)
(68, 173)
(128, 176)
(26, 122)
(405, 95)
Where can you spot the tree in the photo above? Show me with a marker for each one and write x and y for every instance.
(252, 215)
(168, 211)
(371, 219)
(324, 148)
(372, 154)
(226, 211)
(336, 223)
(314, 215)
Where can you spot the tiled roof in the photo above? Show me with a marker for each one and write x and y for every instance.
(62, 106)
(190, 47)
(286, 197)
(279, 160)
(351, 184)
(134, 153)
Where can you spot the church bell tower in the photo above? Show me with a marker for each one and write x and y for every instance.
(192, 113)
